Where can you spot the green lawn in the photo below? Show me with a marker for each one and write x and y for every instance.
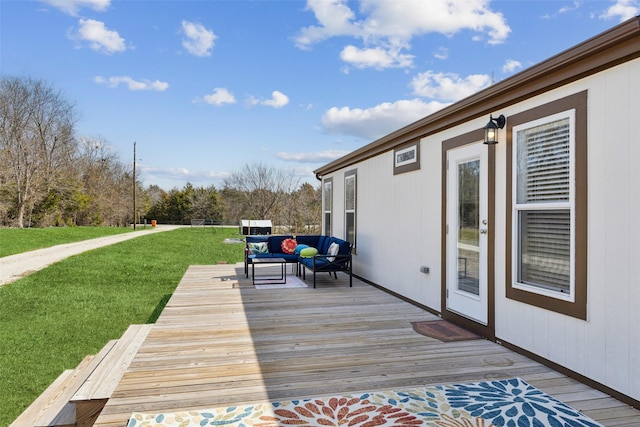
(19, 240)
(51, 320)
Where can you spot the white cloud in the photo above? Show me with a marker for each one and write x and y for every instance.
(376, 57)
(335, 19)
(99, 37)
(115, 81)
(315, 157)
(167, 172)
(168, 178)
(199, 40)
(71, 7)
(278, 100)
(375, 122)
(567, 9)
(220, 96)
(448, 86)
(390, 25)
(408, 19)
(564, 9)
(511, 65)
(622, 9)
(441, 53)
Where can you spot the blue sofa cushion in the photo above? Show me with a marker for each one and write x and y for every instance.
(321, 264)
(275, 243)
(309, 240)
(323, 244)
(257, 239)
(345, 247)
(327, 241)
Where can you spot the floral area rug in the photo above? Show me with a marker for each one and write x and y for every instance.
(511, 403)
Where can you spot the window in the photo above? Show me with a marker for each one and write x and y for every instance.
(544, 205)
(327, 197)
(350, 189)
(547, 206)
(406, 158)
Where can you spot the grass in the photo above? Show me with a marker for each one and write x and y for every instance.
(469, 236)
(19, 240)
(51, 320)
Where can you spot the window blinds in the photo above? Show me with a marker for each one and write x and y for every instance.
(545, 249)
(544, 162)
(544, 205)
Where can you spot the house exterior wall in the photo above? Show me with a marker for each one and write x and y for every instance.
(605, 347)
(399, 229)
(393, 221)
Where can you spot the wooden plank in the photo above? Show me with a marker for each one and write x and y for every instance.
(221, 342)
(44, 401)
(90, 398)
(53, 407)
(104, 379)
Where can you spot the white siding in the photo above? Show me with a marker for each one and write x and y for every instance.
(390, 218)
(604, 348)
(633, 137)
(398, 224)
(399, 230)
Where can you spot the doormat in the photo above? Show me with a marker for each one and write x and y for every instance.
(510, 402)
(443, 331)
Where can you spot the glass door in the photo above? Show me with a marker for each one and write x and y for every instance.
(467, 231)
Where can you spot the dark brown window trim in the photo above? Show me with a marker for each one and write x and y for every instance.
(410, 166)
(578, 308)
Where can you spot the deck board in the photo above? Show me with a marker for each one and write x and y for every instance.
(221, 342)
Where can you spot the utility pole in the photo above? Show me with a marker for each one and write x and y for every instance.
(134, 185)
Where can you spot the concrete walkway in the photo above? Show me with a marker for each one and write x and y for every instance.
(14, 267)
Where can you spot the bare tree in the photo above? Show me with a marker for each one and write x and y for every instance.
(310, 202)
(103, 183)
(256, 190)
(299, 211)
(36, 139)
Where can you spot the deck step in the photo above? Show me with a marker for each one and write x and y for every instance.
(52, 407)
(99, 386)
(77, 396)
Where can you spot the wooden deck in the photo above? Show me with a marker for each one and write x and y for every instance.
(221, 342)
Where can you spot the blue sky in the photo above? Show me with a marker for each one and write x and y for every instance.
(205, 87)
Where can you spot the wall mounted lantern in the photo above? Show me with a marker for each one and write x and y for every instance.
(491, 129)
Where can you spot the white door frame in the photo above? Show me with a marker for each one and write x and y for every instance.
(464, 148)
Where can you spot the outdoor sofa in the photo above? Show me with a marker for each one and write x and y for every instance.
(316, 253)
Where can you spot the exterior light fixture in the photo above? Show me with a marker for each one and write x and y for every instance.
(491, 129)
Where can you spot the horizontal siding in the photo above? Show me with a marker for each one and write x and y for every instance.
(399, 230)
(605, 347)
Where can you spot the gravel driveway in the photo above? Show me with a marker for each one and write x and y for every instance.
(14, 267)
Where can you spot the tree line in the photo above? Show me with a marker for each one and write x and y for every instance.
(49, 176)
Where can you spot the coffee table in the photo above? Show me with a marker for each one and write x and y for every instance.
(270, 280)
